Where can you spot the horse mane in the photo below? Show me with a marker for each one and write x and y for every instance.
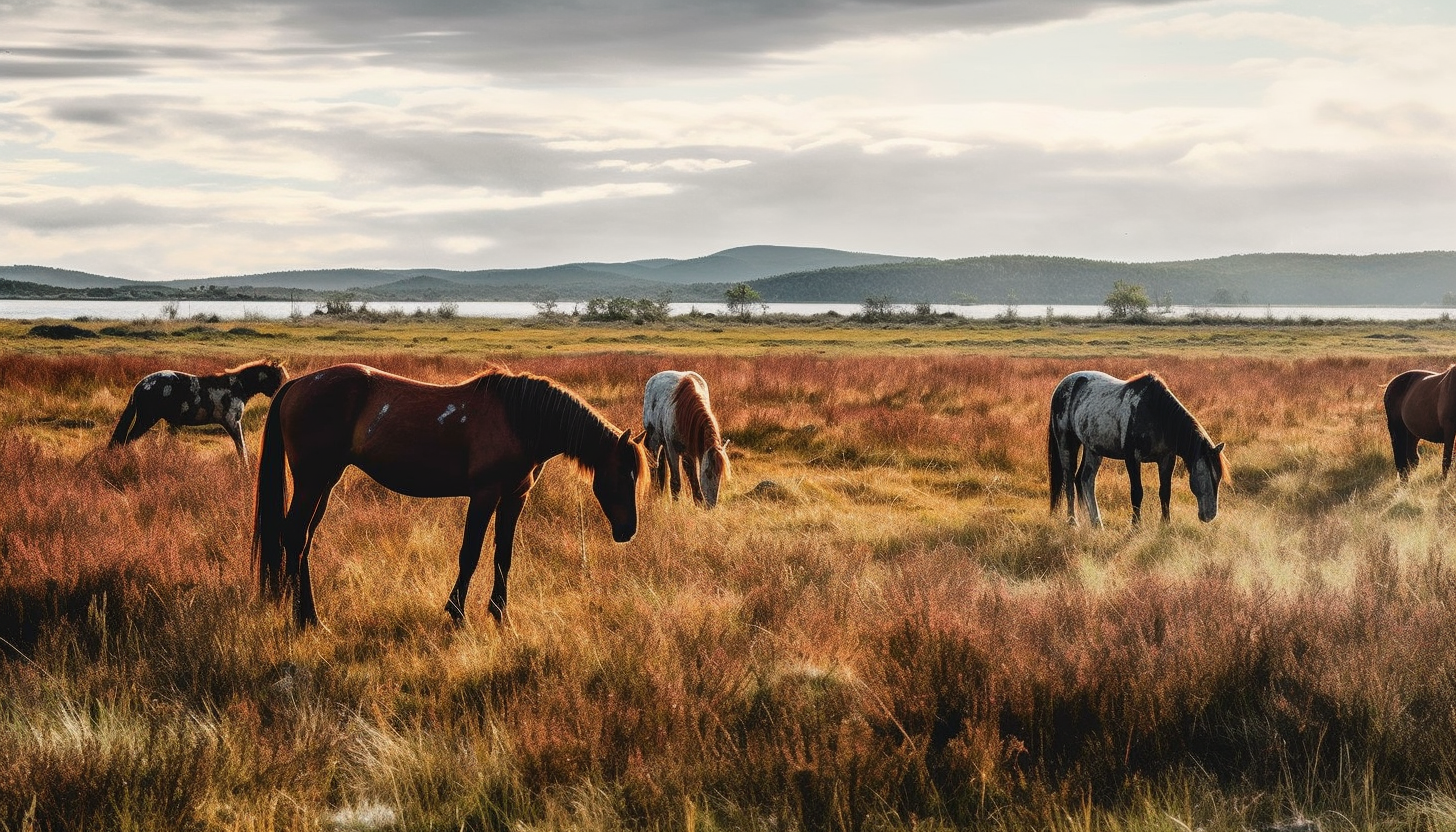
(1188, 435)
(696, 424)
(549, 416)
(270, 363)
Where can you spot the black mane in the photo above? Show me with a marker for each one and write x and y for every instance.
(549, 418)
(1158, 404)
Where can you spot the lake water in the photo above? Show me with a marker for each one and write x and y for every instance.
(236, 310)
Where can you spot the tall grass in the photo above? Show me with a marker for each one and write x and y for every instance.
(893, 635)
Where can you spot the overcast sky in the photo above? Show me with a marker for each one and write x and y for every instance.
(188, 138)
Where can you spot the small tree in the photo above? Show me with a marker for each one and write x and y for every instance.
(742, 299)
(1127, 300)
(545, 302)
(877, 308)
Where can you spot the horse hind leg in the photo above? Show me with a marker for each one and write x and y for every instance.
(1087, 486)
(1404, 447)
(143, 423)
(305, 510)
(1071, 488)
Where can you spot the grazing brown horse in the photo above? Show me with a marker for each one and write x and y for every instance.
(486, 438)
(184, 399)
(1420, 404)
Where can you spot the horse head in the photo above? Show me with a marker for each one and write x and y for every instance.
(264, 376)
(1206, 471)
(615, 481)
(713, 468)
(273, 378)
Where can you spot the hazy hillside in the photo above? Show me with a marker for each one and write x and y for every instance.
(1385, 279)
(588, 279)
(783, 274)
(61, 278)
(746, 263)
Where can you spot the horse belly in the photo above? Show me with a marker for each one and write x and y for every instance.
(1423, 422)
(415, 480)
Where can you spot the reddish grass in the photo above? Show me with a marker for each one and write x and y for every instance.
(898, 634)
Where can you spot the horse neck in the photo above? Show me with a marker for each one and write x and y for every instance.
(1188, 439)
(1180, 430)
(696, 425)
(550, 421)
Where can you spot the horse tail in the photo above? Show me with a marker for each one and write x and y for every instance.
(128, 417)
(1054, 463)
(268, 503)
(1400, 435)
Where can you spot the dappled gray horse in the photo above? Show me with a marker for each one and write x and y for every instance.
(1138, 420)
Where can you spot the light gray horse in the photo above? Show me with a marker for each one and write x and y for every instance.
(680, 425)
(1137, 421)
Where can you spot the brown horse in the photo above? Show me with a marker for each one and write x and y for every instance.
(486, 438)
(1420, 404)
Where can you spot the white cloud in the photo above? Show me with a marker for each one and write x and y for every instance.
(182, 138)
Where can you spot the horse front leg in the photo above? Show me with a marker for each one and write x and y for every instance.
(1446, 454)
(1087, 486)
(235, 430)
(505, 532)
(477, 518)
(1135, 486)
(1165, 485)
(690, 470)
(673, 458)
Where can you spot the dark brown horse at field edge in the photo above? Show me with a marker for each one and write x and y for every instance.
(486, 439)
(1420, 404)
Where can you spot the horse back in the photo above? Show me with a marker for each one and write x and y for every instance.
(657, 401)
(413, 437)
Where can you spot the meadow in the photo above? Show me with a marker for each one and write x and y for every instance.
(881, 627)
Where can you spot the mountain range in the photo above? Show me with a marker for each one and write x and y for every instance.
(786, 274)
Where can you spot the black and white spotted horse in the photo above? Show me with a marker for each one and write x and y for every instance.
(184, 399)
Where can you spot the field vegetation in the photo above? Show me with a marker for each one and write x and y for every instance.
(880, 628)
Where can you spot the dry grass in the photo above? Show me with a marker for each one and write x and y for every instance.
(895, 635)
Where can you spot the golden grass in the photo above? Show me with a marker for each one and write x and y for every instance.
(894, 634)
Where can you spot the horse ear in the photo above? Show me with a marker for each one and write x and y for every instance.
(1218, 449)
(626, 436)
(724, 446)
(641, 434)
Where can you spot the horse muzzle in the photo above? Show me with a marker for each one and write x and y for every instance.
(623, 532)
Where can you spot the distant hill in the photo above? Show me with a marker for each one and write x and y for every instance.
(784, 274)
(732, 265)
(60, 278)
(746, 263)
(1416, 279)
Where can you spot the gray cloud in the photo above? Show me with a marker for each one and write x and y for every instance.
(1006, 199)
(589, 36)
(66, 214)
